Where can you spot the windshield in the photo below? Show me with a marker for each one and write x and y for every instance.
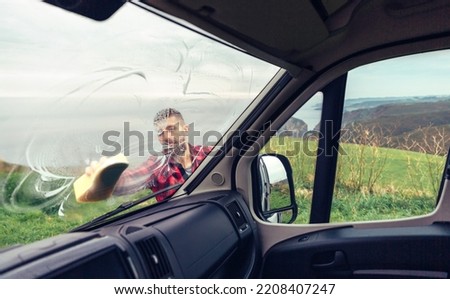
(76, 93)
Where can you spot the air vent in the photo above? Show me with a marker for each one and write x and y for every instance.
(238, 215)
(155, 258)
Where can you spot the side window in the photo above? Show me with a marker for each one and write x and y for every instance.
(394, 138)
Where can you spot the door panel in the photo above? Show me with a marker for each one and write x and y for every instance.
(363, 253)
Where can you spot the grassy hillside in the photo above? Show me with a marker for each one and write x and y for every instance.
(23, 228)
(27, 216)
(377, 169)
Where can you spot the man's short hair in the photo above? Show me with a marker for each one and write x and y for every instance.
(166, 113)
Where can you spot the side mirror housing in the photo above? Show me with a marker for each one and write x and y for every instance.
(276, 202)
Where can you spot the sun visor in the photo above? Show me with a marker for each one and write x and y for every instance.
(282, 29)
(98, 10)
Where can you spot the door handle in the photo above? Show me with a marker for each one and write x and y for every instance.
(338, 260)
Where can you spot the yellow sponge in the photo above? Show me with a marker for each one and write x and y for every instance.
(101, 183)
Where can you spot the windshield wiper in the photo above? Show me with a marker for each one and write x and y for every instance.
(123, 207)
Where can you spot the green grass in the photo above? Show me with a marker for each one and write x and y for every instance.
(354, 207)
(393, 169)
(22, 228)
(35, 218)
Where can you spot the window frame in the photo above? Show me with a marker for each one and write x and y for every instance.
(328, 149)
(326, 165)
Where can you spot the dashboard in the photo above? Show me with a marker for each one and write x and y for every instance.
(206, 236)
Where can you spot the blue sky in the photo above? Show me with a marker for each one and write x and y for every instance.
(415, 75)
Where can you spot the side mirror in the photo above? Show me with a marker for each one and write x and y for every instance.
(277, 201)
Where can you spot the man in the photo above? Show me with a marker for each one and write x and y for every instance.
(178, 161)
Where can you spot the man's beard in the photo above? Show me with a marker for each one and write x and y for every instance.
(177, 149)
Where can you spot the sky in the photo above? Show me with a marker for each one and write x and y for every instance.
(415, 75)
(65, 80)
(65, 45)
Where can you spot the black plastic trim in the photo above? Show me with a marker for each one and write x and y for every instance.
(348, 252)
(285, 79)
(328, 150)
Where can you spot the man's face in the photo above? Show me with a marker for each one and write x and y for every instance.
(172, 134)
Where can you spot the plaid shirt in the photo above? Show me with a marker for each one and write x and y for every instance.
(159, 172)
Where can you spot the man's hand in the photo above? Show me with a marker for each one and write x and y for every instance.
(94, 166)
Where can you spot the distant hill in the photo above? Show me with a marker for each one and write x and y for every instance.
(294, 127)
(365, 103)
(6, 167)
(419, 126)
